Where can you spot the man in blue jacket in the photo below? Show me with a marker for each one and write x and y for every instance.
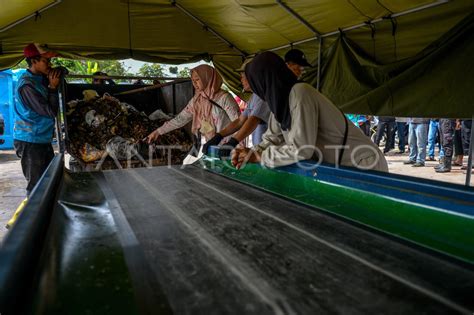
(35, 114)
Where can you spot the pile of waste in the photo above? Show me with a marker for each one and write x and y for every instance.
(104, 126)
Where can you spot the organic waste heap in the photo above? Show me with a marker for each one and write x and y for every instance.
(101, 127)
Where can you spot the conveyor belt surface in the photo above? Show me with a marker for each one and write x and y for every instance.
(216, 246)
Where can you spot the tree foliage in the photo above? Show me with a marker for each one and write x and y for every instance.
(173, 69)
(111, 67)
(21, 65)
(151, 70)
(184, 73)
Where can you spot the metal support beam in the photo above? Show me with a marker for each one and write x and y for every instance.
(207, 27)
(320, 47)
(471, 153)
(120, 77)
(29, 16)
(298, 17)
(293, 44)
(174, 99)
(417, 9)
(61, 123)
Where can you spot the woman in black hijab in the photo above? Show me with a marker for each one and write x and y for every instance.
(261, 76)
(304, 125)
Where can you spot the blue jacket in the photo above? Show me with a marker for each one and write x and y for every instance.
(29, 125)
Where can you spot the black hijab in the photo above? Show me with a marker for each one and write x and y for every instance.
(272, 81)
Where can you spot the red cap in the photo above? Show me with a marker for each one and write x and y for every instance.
(34, 50)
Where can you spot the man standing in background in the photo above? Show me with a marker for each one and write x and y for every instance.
(401, 124)
(433, 135)
(417, 140)
(446, 133)
(386, 125)
(35, 114)
(296, 62)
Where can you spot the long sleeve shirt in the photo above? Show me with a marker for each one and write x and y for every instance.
(36, 102)
(316, 127)
(221, 118)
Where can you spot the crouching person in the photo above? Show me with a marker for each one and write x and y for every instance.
(304, 124)
(252, 121)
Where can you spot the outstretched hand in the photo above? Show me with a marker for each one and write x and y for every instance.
(212, 142)
(240, 156)
(152, 137)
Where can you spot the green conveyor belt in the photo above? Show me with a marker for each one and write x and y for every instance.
(443, 231)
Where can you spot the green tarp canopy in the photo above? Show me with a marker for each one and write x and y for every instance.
(382, 57)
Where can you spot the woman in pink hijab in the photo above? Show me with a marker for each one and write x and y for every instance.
(207, 118)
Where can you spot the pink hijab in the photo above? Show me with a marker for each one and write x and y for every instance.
(211, 82)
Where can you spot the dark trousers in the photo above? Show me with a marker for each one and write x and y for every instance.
(383, 127)
(466, 135)
(365, 127)
(457, 140)
(35, 158)
(402, 129)
(446, 135)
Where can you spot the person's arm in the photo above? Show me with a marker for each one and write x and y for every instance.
(273, 135)
(36, 102)
(233, 126)
(301, 137)
(185, 116)
(257, 112)
(247, 128)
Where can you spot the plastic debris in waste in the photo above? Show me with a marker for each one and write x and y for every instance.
(120, 148)
(92, 124)
(89, 153)
(90, 95)
(159, 114)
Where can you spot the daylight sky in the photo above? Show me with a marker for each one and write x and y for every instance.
(135, 65)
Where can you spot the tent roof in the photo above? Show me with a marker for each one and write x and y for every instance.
(180, 31)
(158, 30)
(19, 10)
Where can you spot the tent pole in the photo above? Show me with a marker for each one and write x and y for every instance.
(120, 77)
(298, 17)
(30, 16)
(311, 28)
(394, 15)
(61, 123)
(207, 27)
(417, 9)
(320, 47)
(469, 160)
(292, 44)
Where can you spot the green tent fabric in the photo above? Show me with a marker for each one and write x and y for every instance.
(437, 80)
(163, 31)
(17, 10)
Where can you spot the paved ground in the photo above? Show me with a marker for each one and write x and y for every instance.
(395, 165)
(12, 187)
(12, 183)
